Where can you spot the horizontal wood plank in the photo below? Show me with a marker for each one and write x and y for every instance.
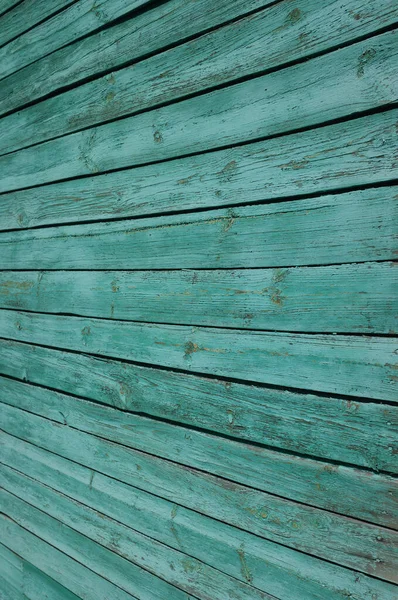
(76, 20)
(136, 582)
(357, 226)
(258, 171)
(331, 428)
(366, 75)
(83, 582)
(117, 46)
(351, 365)
(345, 298)
(285, 32)
(6, 5)
(186, 573)
(27, 14)
(25, 582)
(340, 490)
(38, 586)
(214, 542)
(11, 573)
(367, 548)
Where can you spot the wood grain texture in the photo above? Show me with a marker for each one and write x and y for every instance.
(11, 574)
(278, 35)
(367, 548)
(117, 46)
(304, 163)
(26, 15)
(57, 565)
(26, 582)
(229, 549)
(357, 226)
(366, 75)
(339, 490)
(350, 365)
(5, 5)
(77, 20)
(332, 428)
(173, 566)
(345, 298)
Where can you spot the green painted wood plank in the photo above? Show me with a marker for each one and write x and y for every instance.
(287, 31)
(77, 20)
(86, 584)
(258, 171)
(178, 569)
(26, 15)
(342, 540)
(120, 571)
(331, 428)
(8, 592)
(5, 5)
(231, 550)
(340, 364)
(38, 586)
(358, 226)
(26, 582)
(345, 298)
(264, 469)
(119, 45)
(366, 75)
(11, 571)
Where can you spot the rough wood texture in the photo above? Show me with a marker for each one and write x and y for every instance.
(345, 298)
(355, 227)
(5, 5)
(140, 551)
(26, 582)
(57, 565)
(366, 74)
(278, 35)
(332, 428)
(367, 548)
(339, 490)
(361, 151)
(198, 334)
(231, 550)
(79, 19)
(172, 21)
(358, 366)
(27, 14)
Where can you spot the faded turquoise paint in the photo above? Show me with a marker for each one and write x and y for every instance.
(198, 242)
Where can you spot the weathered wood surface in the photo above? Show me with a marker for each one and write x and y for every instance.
(340, 364)
(278, 35)
(357, 226)
(6, 5)
(266, 469)
(366, 73)
(339, 490)
(77, 20)
(367, 548)
(56, 564)
(260, 171)
(27, 582)
(169, 564)
(198, 237)
(344, 298)
(332, 428)
(229, 549)
(169, 23)
(27, 14)
(11, 572)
